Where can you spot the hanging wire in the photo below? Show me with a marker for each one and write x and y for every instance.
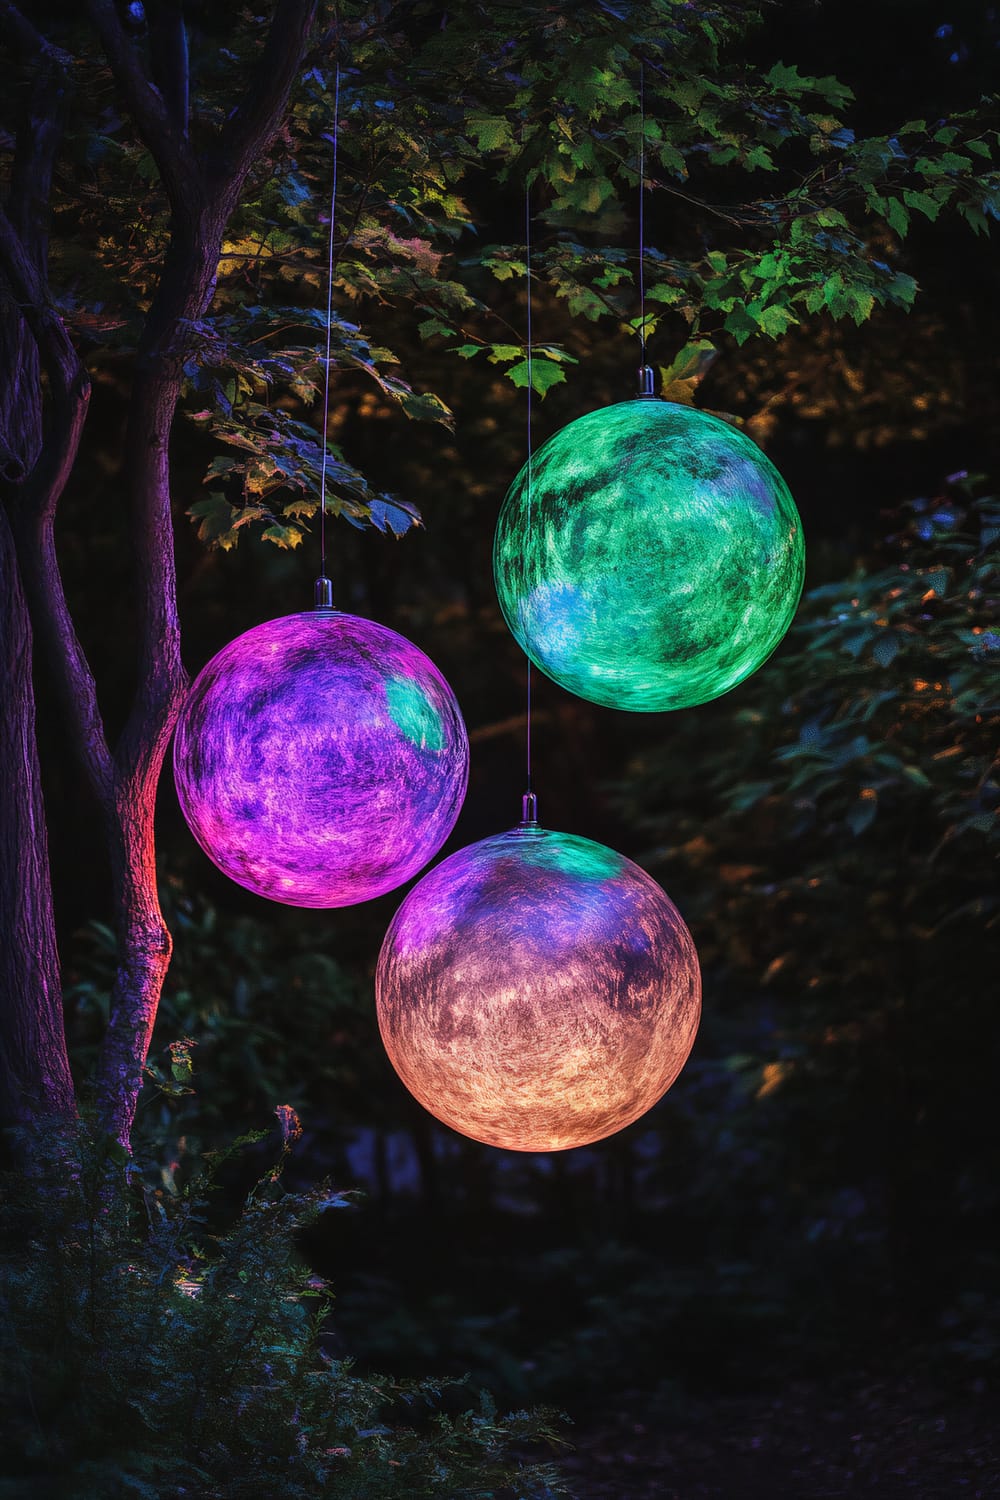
(321, 591)
(642, 200)
(529, 805)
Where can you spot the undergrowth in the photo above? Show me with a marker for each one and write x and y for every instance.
(146, 1355)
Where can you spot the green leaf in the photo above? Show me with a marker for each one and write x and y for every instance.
(431, 326)
(490, 132)
(774, 320)
(787, 78)
(503, 269)
(672, 159)
(680, 379)
(285, 537)
(836, 297)
(924, 203)
(215, 516)
(740, 324)
(662, 291)
(861, 302)
(897, 217)
(424, 406)
(544, 374)
(903, 289)
(759, 159)
(974, 217)
(499, 353)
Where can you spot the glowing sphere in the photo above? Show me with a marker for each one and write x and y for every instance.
(658, 560)
(320, 759)
(537, 991)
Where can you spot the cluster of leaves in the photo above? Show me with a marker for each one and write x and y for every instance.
(533, 95)
(279, 465)
(815, 243)
(145, 1355)
(826, 257)
(889, 689)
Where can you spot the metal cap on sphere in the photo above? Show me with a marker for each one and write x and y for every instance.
(652, 559)
(537, 993)
(320, 759)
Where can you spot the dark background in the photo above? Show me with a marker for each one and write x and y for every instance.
(750, 1268)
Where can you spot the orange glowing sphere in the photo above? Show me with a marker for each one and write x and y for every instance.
(537, 991)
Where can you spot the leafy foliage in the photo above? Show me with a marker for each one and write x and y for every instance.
(780, 214)
(232, 984)
(835, 826)
(147, 1356)
(891, 697)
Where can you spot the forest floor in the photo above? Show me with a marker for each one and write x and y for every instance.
(873, 1439)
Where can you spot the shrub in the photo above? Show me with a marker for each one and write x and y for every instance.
(145, 1356)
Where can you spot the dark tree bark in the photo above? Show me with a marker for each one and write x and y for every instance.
(202, 195)
(34, 1069)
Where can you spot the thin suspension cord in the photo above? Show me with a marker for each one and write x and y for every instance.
(527, 261)
(642, 215)
(329, 323)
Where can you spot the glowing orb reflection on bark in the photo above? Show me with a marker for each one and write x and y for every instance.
(658, 560)
(320, 759)
(537, 991)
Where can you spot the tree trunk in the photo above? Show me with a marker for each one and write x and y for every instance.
(145, 943)
(35, 1079)
(203, 192)
(34, 1069)
(201, 203)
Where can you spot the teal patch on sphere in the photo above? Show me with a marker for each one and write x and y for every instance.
(657, 561)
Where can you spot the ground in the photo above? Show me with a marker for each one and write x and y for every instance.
(873, 1439)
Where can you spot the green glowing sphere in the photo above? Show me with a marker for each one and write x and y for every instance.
(656, 561)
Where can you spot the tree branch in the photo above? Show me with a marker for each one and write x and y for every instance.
(253, 123)
(26, 40)
(168, 55)
(184, 292)
(178, 165)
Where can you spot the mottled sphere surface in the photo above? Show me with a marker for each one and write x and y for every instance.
(537, 991)
(320, 759)
(657, 561)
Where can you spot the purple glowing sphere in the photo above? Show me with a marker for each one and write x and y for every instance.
(320, 759)
(537, 991)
